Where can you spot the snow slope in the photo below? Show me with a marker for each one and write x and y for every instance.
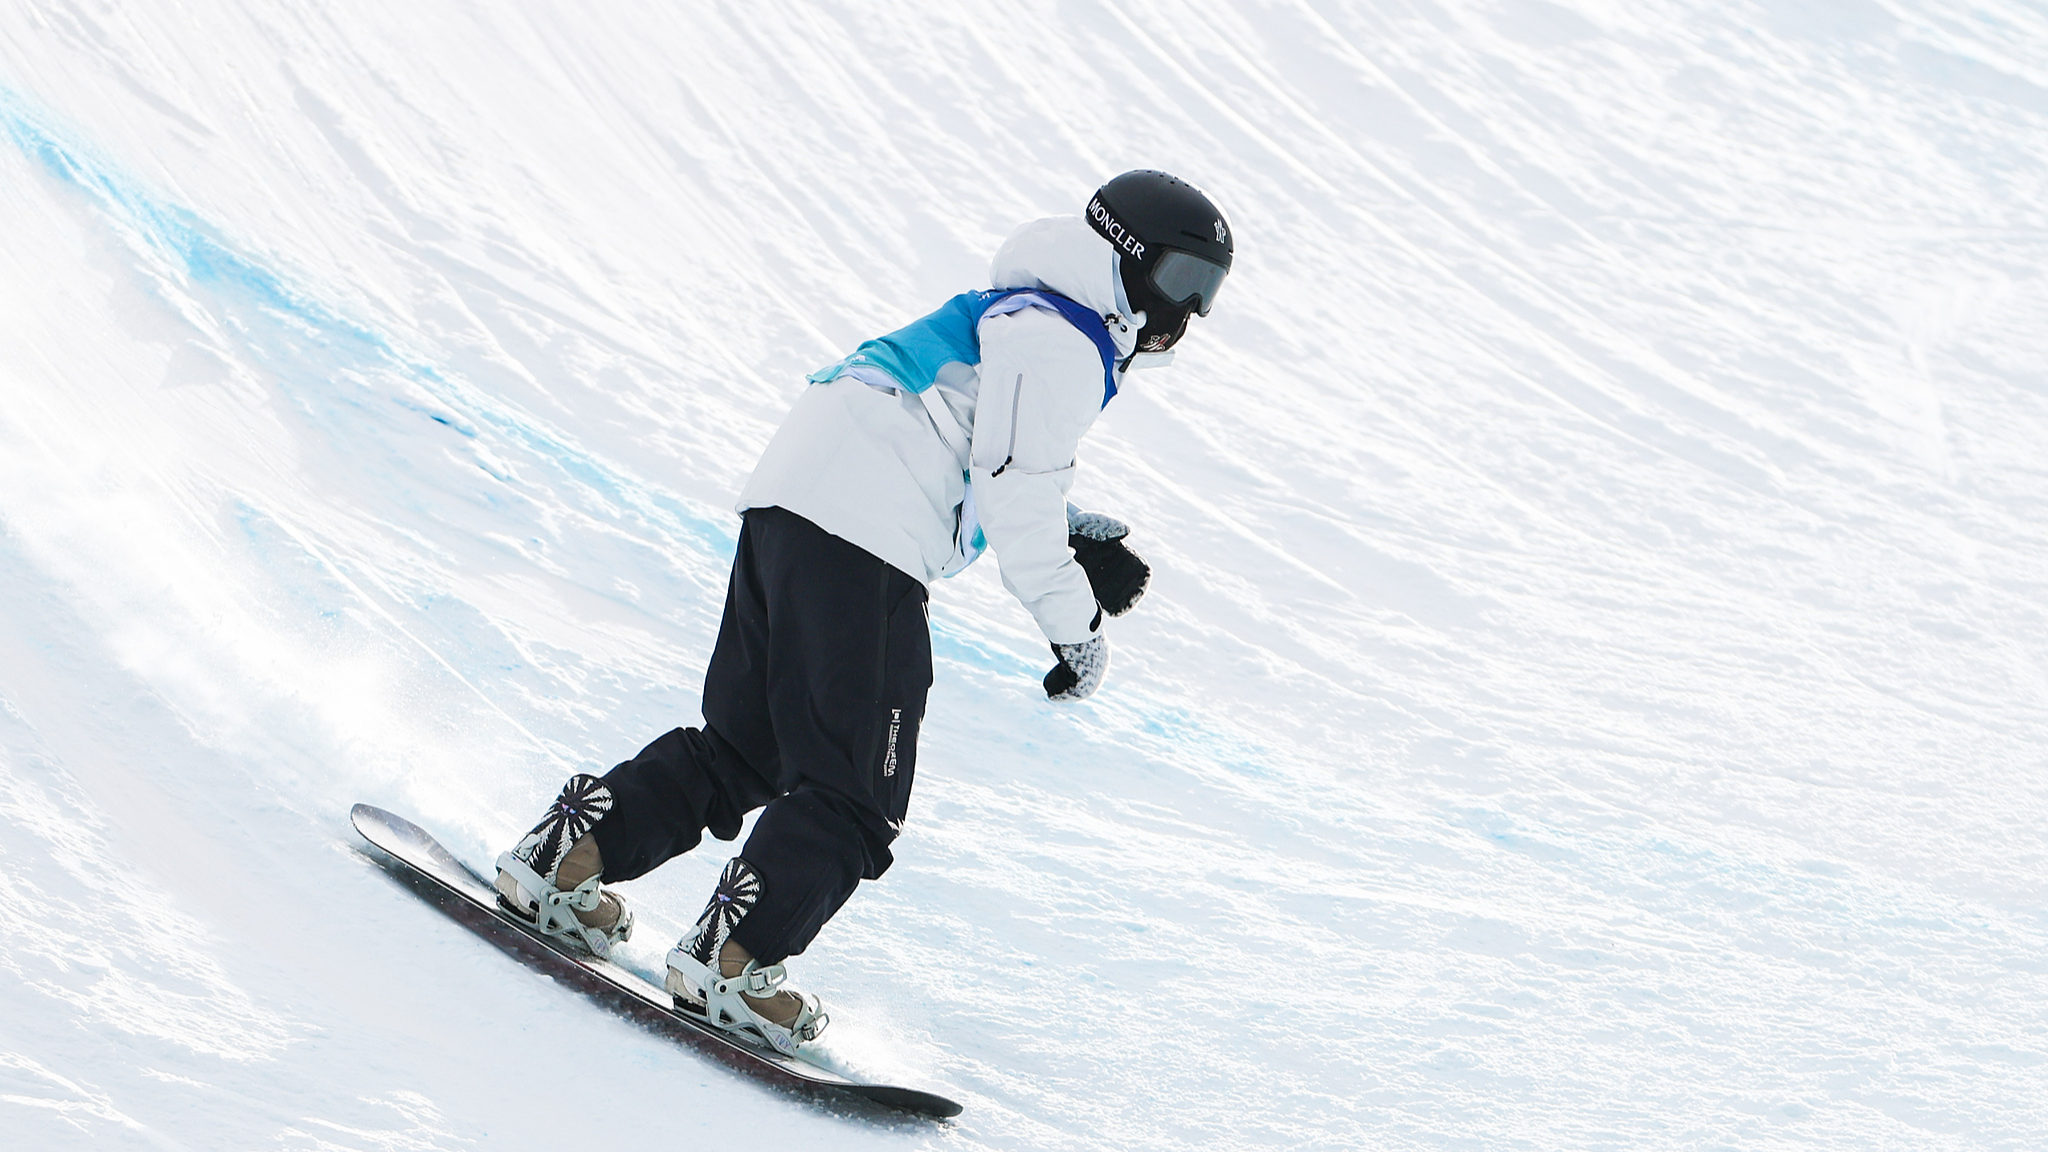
(1594, 693)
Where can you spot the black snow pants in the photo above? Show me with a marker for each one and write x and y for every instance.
(812, 703)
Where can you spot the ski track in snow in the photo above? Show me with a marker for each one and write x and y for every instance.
(1592, 694)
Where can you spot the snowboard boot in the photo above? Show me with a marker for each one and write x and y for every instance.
(550, 879)
(710, 975)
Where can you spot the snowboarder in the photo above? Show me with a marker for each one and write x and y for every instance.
(898, 465)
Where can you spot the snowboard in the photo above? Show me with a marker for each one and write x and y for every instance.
(419, 861)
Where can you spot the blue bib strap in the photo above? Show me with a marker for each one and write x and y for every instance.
(1091, 326)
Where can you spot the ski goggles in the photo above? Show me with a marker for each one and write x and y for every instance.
(1182, 278)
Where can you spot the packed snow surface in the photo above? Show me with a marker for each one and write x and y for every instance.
(1594, 694)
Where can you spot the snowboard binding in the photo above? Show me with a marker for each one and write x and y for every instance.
(559, 851)
(741, 1000)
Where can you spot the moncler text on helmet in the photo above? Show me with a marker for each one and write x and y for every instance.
(1114, 229)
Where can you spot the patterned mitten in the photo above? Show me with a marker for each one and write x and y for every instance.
(1080, 670)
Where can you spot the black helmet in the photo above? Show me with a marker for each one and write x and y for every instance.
(1174, 249)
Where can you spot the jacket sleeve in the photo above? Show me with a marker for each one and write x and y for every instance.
(1041, 388)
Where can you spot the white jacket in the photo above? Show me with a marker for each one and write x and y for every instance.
(865, 463)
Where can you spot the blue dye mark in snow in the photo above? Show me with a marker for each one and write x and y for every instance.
(313, 347)
(954, 644)
(1188, 734)
(1172, 732)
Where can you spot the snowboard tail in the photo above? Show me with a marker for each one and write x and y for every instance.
(419, 861)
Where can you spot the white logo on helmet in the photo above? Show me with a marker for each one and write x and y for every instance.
(1114, 229)
(1222, 233)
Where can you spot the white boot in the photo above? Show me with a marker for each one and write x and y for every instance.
(712, 976)
(551, 878)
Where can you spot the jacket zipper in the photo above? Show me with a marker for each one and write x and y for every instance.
(1016, 399)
